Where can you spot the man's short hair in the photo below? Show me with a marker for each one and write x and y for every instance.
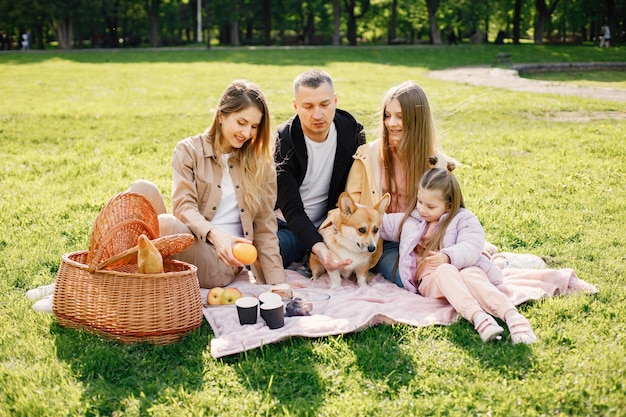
(312, 79)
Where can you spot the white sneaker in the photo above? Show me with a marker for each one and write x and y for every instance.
(40, 292)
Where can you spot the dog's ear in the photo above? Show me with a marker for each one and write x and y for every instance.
(346, 205)
(383, 203)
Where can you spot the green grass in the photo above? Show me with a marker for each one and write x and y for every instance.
(77, 128)
(602, 79)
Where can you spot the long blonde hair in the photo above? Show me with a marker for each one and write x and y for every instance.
(256, 156)
(418, 141)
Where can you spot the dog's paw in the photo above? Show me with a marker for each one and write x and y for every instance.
(314, 277)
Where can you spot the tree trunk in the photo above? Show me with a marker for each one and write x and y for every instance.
(351, 22)
(393, 23)
(234, 33)
(309, 28)
(111, 18)
(39, 34)
(517, 19)
(543, 16)
(267, 22)
(614, 22)
(63, 31)
(540, 27)
(208, 23)
(234, 23)
(337, 22)
(353, 17)
(154, 31)
(435, 35)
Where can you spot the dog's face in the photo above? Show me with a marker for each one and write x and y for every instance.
(361, 225)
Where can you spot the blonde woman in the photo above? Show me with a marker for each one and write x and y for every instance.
(224, 190)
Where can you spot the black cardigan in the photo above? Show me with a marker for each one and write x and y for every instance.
(291, 163)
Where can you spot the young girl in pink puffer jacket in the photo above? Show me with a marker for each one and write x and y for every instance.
(441, 256)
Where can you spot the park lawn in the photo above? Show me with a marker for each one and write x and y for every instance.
(77, 128)
(602, 79)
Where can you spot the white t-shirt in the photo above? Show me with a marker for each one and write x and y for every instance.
(227, 218)
(314, 188)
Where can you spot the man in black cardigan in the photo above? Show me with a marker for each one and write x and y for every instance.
(313, 156)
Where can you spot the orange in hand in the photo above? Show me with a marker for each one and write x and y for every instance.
(245, 253)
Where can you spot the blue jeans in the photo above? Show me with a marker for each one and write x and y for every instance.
(388, 261)
(291, 249)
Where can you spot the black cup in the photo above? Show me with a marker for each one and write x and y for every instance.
(247, 309)
(274, 314)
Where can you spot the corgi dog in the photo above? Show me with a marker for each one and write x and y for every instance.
(352, 231)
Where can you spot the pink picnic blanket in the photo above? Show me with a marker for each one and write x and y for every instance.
(351, 308)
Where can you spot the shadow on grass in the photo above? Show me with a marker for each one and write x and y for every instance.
(299, 373)
(500, 355)
(133, 374)
(380, 356)
(284, 374)
(429, 56)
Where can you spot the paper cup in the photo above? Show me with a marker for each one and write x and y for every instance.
(247, 309)
(269, 297)
(274, 314)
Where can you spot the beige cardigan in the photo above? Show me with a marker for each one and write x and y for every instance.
(364, 180)
(196, 193)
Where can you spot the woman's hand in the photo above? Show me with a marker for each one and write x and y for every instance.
(223, 243)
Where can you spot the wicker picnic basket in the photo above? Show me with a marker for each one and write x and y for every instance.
(101, 290)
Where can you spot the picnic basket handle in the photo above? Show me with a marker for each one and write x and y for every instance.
(95, 257)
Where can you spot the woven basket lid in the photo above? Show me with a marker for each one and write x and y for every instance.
(166, 245)
(121, 221)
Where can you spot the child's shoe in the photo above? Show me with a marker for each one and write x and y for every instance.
(520, 330)
(487, 327)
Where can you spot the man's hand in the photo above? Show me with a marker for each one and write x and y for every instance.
(328, 258)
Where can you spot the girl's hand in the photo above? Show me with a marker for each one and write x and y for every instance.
(223, 243)
(434, 259)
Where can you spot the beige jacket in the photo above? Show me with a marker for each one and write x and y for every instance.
(196, 194)
(364, 181)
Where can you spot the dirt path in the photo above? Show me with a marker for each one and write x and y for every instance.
(510, 79)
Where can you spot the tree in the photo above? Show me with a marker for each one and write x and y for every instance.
(353, 16)
(308, 30)
(336, 22)
(234, 23)
(517, 19)
(153, 8)
(543, 17)
(111, 10)
(267, 22)
(393, 23)
(435, 35)
(64, 31)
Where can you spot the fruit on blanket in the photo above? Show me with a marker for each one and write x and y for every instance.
(149, 259)
(245, 253)
(230, 295)
(214, 297)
